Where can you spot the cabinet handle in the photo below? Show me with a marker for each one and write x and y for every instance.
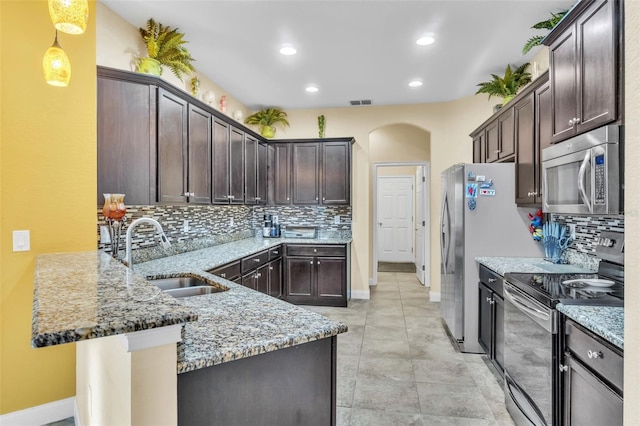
(186, 194)
(287, 198)
(315, 250)
(532, 194)
(594, 354)
(488, 299)
(323, 198)
(318, 262)
(257, 198)
(256, 260)
(576, 120)
(311, 263)
(571, 122)
(223, 275)
(316, 198)
(231, 197)
(271, 268)
(258, 275)
(564, 368)
(276, 252)
(497, 151)
(492, 280)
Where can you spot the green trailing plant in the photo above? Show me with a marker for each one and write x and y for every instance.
(549, 24)
(321, 126)
(166, 45)
(508, 85)
(266, 118)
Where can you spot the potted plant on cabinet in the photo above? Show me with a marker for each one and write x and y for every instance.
(165, 46)
(266, 118)
(549, 24)
(507, 86)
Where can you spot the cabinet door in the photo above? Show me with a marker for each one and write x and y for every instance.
(485, 318)
(587, 400)
(262, 279)
(250, 170)
(281, 166)
(506, 135)
(543, 132)
(478, 148)
(236, 164)
(305, 173)
(336, 175)
(199, 182)
(126, 141)
(526, 165)
(562, 76)
(498, 332)
(330, 277)
(262, 174)
(597, 76)
(275, 278)
(220, 172)
(172, 148)
(300, 276)
(250, 280)
(492, 142)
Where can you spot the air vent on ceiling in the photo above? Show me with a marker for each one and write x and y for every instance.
(361, 102)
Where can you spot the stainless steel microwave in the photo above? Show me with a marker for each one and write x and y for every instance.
(584, 175)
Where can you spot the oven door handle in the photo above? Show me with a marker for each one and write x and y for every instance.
(522, 304)
(581, 180)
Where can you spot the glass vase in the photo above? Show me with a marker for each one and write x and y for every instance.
(114, 211)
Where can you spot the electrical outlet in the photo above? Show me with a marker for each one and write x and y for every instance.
(336, 219)
(21, 241)
(572, 231)
(105, 238)
(230, 221)
(185, 226)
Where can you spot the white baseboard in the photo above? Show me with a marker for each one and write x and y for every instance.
(41, 414)
(434, 297)
(360, 294)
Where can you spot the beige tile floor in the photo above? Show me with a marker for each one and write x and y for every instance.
(396, 365)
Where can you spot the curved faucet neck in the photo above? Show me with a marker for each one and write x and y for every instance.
(134, 224)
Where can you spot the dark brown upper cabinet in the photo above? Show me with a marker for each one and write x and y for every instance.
(220, 160)
(250, 170)
(199, 182)
(306, 159)
(280, 173)
(262, 177)
(126, 139)
(172, 148)
(236, 165)
(500, 138)
(585, 68)
(336, 175)
(479, 147)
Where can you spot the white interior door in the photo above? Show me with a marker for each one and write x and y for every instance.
(420, 225)
(395, 218)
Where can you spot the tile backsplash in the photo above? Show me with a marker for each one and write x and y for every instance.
(208, 225)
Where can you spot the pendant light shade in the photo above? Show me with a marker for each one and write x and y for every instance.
(69, 16)
(56, 65)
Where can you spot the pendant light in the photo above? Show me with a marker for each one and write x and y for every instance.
(56, 65)
(69, 16)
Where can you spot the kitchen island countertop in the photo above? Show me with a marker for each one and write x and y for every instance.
(605, 321)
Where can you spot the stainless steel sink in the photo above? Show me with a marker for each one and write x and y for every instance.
(186, 286)
(178, 282)
(194, 291)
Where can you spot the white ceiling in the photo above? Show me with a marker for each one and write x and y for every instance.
(348, 49)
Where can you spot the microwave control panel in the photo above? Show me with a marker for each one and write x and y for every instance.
(600, 178)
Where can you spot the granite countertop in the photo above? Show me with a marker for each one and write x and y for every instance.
(240, 322)
(607, 322)
(503, 265)
(79, 296)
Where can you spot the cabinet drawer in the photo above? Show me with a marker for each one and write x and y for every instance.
(228, 271)
(255, 261)
(491, 279)
(316, 250)
(604, 360)
(275, 252)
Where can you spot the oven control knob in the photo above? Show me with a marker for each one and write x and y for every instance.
(594, 354)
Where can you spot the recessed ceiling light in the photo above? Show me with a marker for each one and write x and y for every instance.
(311, 89)
(425, 40)
(415, 83)
(288, 50)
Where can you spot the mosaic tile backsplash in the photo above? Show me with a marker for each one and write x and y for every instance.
(582, 249)
(208, 225)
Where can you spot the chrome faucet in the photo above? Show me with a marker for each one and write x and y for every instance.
(163, 238)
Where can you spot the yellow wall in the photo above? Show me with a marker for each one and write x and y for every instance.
(47, 185)
(632, 214)
(119, 43)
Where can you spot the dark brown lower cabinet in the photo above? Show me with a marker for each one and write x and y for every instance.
(491, 317)
(291, 386)
(316, 275)
(275, 278)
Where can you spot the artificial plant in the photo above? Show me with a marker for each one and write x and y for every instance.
(266, 118)
(508, 85)
(166, 46)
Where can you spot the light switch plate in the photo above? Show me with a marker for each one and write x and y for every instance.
(336, 219)
(105, 238)
(21, 241)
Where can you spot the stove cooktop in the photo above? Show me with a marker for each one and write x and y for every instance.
(551, 289)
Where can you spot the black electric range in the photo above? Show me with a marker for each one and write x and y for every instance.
(551, 289)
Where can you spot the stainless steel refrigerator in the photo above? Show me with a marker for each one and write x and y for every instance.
(479, 217)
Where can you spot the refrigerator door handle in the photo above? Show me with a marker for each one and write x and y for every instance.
(444, 236)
